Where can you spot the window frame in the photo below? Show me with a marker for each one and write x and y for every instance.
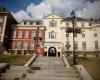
(95, 35)
(96, 45)
(14, 33)
(20, 34)
(83, 35)
(19, 45)
(67, 35)
(67, 24)
(76, 45)
(25, 45)
(84, 45)
(67, 45)
(26, 34)
(53, 23)
(31, 45)
(52, 35)
(83, 24)
(75, 35)
(33, 33)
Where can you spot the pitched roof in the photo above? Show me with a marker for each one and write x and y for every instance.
(3, 12)
(76, 19)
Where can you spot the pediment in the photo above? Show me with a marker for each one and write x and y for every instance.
(50, 16)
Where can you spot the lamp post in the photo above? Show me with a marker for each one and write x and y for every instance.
(36, 40)
(73, 25)
(74, 30)
(37, 45)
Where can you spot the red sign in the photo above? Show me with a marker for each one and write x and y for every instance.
(39, 51)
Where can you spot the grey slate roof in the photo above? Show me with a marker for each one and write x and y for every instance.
(77, 19)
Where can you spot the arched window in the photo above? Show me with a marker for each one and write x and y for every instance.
(52, 23)
(52, 35)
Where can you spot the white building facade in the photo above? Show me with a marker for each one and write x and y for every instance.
(58, 41)
(52, 44)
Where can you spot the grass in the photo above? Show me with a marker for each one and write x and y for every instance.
(14, 59)
(92, 65)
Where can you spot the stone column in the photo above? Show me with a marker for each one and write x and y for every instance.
(22, 52)
(15, 52)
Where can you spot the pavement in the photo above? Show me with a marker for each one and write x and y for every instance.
(51, 68)
(43, 68)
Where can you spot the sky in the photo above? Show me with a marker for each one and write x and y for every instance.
(36, 9)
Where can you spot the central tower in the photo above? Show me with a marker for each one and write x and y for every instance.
(52, 44)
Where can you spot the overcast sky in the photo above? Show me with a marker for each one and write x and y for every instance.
(36, 9)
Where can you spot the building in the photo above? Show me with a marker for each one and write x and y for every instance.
(6, 19)
(52, 44)
(86, 43)
(58, 41)
(49, 37)
(21, 38)
(27, 37)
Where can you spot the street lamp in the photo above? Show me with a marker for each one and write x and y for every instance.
(36, 38)
(73, 22)
(73, 30)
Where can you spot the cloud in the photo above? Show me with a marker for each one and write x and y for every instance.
(50, 1)
(21, 15)
(38, 11)
(83, 8)
(64, 7)
(92, 10)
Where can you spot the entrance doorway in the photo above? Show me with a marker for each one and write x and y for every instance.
(52, 51)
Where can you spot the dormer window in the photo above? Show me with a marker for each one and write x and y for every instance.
(31, 23)
(25, 22)
(38, 23)
(52, 23)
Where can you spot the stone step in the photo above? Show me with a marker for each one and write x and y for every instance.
(55, 71)
(40, 78)
(52, 79)
(10, 78)
(44, 66)
(14, 71)
(19, 67)
(45, 76)
(45, 63)
(50, 68)
(59, 59)
(49, 60)
(46, 58)
(41, 63)
(53, 75)
(12, 75)
(53, 65)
